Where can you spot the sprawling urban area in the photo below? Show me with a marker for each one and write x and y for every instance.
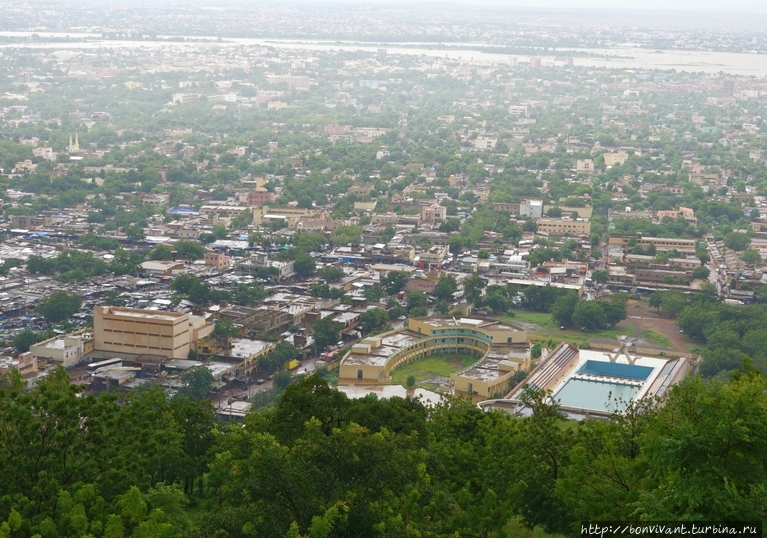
(379, 271)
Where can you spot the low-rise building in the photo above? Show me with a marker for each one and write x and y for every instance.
(564, 226)
(218, 260)
(501, 349)
(66, 350)
(433, 213)
(24, 363)
(162, 268)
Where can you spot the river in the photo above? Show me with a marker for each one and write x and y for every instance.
(631, 58)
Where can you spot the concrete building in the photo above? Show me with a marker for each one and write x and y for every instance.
(612, 159)
(66, 350)
(518, 110)
(485, 142)
(259, 196)
(261, 260)
(433, 213)
(290, 215)
(501, 350)
(525, 208)
(564, 226)
(661, 243)
(25, 363)
(131, 330)
(294, 82)
(162, 268)
(218, 260)
(683, 212)
(585, 166)
(28, 222)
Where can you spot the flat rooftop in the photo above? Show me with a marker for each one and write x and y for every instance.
(429, 398)
(479, 323)
(242, 348)
(144, 314)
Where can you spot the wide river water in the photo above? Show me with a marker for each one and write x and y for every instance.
(632, 58)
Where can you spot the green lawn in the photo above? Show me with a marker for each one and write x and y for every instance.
(552, 328)
(424, 369)
(539, 318)
(656, 338)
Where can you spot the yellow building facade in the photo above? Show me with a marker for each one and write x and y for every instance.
(131, 330)
(501, 350)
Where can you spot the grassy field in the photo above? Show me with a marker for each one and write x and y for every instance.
(655, 338)
(551, 328)
(425, 369)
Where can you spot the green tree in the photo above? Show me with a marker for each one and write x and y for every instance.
(455, 244)
(416, 299)
(26, 338)
(326, 333)
(219, 230)
(281, 380)
(497, 298)
(374, 318)
(160, 252)
(304, 265)
(705, 452)
(599, 276)
(59, 306)
(590, 315)
(472, 288)
(655, 299)
(331, 273)
(672, 303)
(387, 234)
(189, 249)
(135, 233)
(701, 272)
(564, 307)
(225, 328)
(197, 383)
(751, 257)
(445, 288)
(394, 281)
(737, 241)
(183, 283)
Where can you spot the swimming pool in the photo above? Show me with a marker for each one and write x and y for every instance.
(595, 394)
(614, 369)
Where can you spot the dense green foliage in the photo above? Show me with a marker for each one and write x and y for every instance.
(106, 467)
(731, 334)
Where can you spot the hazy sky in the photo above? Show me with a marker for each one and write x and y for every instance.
(704, 6)
(720, 6)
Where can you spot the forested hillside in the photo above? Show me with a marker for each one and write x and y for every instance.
(321, 465)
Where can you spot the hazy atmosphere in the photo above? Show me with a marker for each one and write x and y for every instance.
(383, 269)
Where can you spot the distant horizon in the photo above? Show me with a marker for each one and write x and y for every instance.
(703, 7)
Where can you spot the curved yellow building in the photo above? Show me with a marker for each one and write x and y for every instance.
(501, 350)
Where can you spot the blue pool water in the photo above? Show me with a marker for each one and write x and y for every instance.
(589, 394)
(614, 369)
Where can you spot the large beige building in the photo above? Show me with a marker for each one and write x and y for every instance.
(564, 226)
(131, 330)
